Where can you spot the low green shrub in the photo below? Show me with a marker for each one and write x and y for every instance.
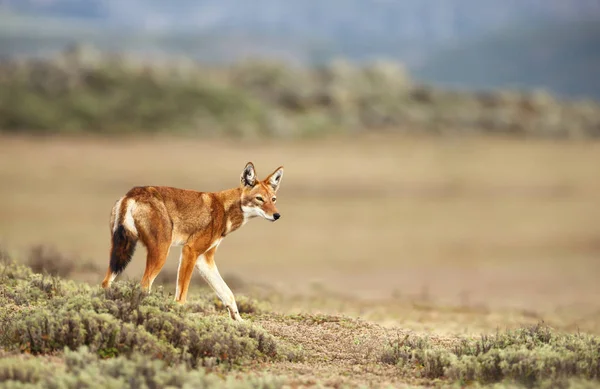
(72, 93)
(531, 356)
(43, 314)
(84, 369)
(112, 97)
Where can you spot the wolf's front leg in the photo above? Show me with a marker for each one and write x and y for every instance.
(208, 269)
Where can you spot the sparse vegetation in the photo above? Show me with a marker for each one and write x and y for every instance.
(82, 90)
(85, 369)
(533, 356)
(45, 314)
(59, 333)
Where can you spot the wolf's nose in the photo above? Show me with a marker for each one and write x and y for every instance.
(276, 216)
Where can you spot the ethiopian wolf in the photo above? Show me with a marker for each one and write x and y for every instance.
(161, 217)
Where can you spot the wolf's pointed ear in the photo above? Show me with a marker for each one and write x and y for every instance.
(275, 179)
(248, 177)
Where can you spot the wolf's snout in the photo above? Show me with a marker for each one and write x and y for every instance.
(276, 216)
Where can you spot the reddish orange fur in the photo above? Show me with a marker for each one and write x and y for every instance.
(162, 216)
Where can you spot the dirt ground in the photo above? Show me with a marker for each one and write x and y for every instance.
(437, 234)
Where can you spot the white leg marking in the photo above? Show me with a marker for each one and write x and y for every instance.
(111, 279)
(177, 291)
(211, 275)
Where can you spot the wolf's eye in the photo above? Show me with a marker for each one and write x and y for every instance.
(274, 199)
(259, 198)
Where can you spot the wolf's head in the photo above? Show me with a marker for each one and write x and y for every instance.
(259, 197)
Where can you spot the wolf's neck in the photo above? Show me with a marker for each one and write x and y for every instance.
(232, 204)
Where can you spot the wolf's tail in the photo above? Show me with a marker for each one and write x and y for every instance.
(123, 247)
(124, 235)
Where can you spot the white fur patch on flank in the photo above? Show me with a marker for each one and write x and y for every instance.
(129, 223)
(117, 211)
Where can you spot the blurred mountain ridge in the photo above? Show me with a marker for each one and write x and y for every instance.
(437, 41)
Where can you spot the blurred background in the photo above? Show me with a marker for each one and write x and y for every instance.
(435, 151)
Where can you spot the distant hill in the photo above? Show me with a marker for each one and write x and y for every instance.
(564, 58)
(84, 90)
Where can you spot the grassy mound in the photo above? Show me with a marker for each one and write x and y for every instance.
(43, 315)
(57, 333)
(113, 98)
(84, 369)
(533, 357)
(82, 91)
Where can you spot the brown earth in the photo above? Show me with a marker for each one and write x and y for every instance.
(449, 235)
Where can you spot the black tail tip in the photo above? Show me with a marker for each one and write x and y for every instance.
(123, 247)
